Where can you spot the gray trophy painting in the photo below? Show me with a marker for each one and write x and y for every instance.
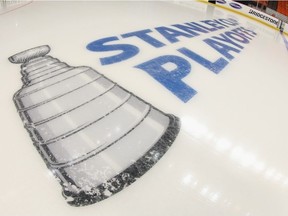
(95, 136)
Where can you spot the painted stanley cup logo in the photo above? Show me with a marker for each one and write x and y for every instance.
(95, 136)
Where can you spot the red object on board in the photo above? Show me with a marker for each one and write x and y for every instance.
(283, 7)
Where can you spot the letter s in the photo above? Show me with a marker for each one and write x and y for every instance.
(127, 50)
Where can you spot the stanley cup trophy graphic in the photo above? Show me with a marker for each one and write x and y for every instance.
(95, 136)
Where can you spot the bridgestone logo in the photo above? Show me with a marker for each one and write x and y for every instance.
(262, 16)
